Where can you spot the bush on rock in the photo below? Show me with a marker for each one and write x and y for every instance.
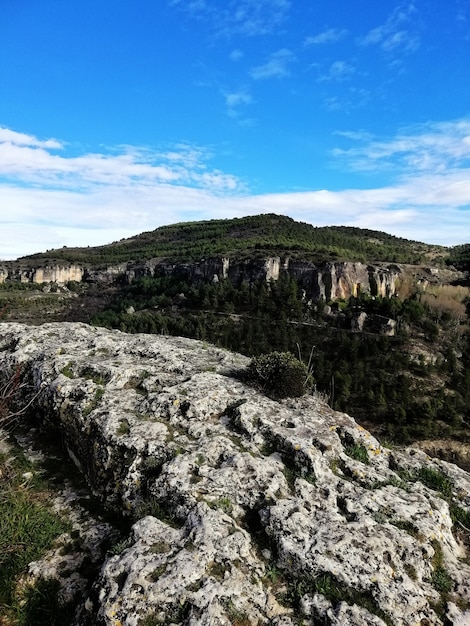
(280, 375)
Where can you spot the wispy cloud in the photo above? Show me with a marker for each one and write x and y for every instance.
(30, 160)
(236, 99)
(349, 99)
(277, 66)
(398, 35)
(339, 70)
(236, 55)
(330, 35)
(238, 17)
(50, 199)
(432, 147)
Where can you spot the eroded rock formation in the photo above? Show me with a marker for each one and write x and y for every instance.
(328, 281)
(250, 511)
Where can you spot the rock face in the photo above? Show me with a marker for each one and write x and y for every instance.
(328, 281)
(54, 274)
(249, 510)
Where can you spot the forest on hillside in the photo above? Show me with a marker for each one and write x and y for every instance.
(255, 236)
(413, 385)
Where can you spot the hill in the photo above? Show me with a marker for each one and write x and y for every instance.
(256, 236)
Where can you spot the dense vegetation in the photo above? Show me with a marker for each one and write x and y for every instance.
(459, 257)
(260, 235)
(412, 385)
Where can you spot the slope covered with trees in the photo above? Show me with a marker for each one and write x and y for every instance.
(255, 236)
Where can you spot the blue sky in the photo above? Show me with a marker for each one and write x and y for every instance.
(118, 117)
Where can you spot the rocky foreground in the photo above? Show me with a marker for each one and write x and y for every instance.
(249, 510)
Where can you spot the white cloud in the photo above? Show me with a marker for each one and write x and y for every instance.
(330, 35)
(20, 139)
(131, 166)
(275, 67)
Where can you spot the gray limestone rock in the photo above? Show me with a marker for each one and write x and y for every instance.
(246, 510)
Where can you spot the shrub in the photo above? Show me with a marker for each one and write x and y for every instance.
(280, 375)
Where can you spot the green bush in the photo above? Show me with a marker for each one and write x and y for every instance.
(280, 375)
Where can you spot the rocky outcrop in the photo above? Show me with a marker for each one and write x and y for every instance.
(328, 281)
(53, 274)
(249, 510)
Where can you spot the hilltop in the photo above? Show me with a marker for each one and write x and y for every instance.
(255, 236)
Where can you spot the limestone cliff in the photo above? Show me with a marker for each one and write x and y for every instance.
(328, 281)
(250, 511)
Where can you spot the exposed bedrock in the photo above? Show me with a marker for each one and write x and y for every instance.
(248, 509)
(328, 281)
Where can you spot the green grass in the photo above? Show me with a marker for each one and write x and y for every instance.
(436, 480)
(28, 528)
(460, 515)
(94, 402)
(358, 452)
(440, 579)
(42, 607)
(327, 585)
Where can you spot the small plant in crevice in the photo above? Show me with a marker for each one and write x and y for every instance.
(410, 571)
(160, 547)
(160, 510)
(124, 428)
(460, 516)
(333, 590)
(236, 616)
(358, 452)
(97, 377)
(120, 546)
(273, 573)
(92, 405)
(217, 570)
(67, 370)
(173, 614)
(408, 527)
(436, 480)
(158, 572)
(224, 504)
(440, 578)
